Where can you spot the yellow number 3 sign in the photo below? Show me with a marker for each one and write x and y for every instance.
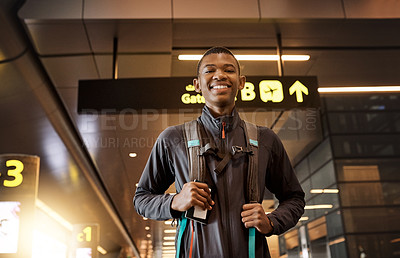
(16, 168)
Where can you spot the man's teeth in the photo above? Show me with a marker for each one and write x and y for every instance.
(220, 87)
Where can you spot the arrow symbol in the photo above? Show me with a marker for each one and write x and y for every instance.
(299, 88)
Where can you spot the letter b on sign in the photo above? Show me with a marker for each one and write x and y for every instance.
(248, 92)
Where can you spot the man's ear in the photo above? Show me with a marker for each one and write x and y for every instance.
(242, 81)
(196, 85)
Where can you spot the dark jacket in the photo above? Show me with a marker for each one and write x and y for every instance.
(225, 234)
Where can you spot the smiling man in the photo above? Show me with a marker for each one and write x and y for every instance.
(236, 224)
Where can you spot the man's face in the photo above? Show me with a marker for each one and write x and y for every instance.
(219, 80)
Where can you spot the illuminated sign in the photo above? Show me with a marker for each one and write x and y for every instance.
(86, 240)
(175, 93)
(18, 190)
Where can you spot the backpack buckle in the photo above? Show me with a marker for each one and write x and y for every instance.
(236, 149)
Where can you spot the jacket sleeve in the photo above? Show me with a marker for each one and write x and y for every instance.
(150, 199)
(282, 181)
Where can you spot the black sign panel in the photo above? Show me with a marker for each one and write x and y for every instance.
(85, 240)
(175, 93)
(18, 189)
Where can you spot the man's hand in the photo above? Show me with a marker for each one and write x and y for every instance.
(192, 194)
(253, 215)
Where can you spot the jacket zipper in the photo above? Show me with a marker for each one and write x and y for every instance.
(223, 129)
(227, 219)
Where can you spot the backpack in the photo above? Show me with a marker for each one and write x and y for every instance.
(197, 148)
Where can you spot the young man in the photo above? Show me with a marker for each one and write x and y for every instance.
(231, 214)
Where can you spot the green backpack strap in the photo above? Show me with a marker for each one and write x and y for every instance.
(182, 227)
(253, 193)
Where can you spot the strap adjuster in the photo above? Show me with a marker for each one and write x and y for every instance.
(240, 149)
(237, 149)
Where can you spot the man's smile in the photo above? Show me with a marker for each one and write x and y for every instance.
(219, 86)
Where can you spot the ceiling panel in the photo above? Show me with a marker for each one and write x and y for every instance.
(346, 68)
(339, 33)
(300, 68)
(50, 9)
(104, 64)
(293, 9)
(9, 47)
(372, 9)
(59, 37)
(133, 36)
(209, 9)
(373, 33)
(101, 34)
(210, 33)
(145, 36)
(127, 9)
(135, 66)
(67, 71)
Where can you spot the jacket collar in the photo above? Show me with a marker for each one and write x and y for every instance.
(214, 125)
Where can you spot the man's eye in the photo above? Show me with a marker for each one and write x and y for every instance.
(230, 71)
(208, 71)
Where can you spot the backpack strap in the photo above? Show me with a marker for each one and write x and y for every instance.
(196, 151)
(253, 193)
(182, 227)
(251, 133)
(197, 163)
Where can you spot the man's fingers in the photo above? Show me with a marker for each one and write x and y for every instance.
(204, 191)
(249, 206)
(200, 195)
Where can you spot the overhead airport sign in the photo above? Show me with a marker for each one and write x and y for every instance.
(176, 93)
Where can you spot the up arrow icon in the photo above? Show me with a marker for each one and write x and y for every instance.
(299, 88)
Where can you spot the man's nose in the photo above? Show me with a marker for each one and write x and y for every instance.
(219, 75)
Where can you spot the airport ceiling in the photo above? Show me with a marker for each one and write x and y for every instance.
(351, 43)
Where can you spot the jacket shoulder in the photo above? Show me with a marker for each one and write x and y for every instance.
(267, 137)
(172, 135)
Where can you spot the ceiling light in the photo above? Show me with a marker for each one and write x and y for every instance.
(148, 235)
(168, 248)
(359, 89)
(147, 228)
(133, 154)
(337, 241)
(396, 240)
(169, 238)
(253, 57)
(331, 190)
(169, 243)
(324, 190)
(303, 218)
(101, 250)
(169, 252)
(144, 218)
(318, 206)
(170, 231)
(295, 57)
(168, 222)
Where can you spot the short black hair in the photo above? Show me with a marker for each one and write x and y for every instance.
(216, 50)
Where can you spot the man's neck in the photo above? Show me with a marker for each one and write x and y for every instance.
(220, 111)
